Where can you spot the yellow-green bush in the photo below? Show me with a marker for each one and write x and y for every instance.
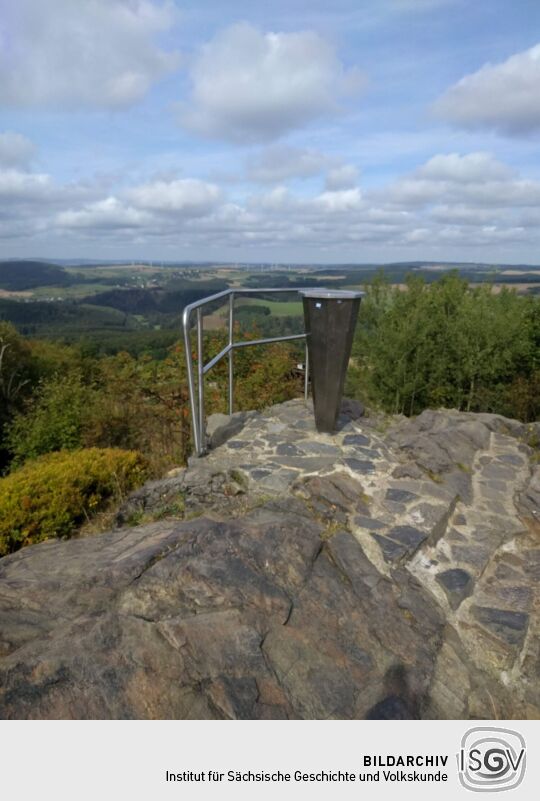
(49, 496)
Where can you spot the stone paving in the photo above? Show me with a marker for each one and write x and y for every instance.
(453, 498)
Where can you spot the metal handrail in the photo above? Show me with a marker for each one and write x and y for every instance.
(196, 400)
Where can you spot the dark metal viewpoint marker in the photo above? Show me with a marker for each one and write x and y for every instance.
(330, 319)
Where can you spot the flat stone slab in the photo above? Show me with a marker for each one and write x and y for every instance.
(359, 465)
(308, 464)
(498, 472)
(457, 584)
(319, 449)
(476, 556)
(512, 458)
(368, 453)
(356, 439)
(408, 536)
(399, 542)
(515, 596)
(259, 473)
(369, 523)
(278, 482)
(287, 449)
(505, 624)
(221, 427)
(392, 551)
(400, 496)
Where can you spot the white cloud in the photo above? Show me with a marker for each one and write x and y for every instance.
(476, 178)
(463, 201)
(88, 53)
(26, 195)
(29, 202)
(280, 162)
(15, 150)
(250, 86)
(470, 168)
(343, 177)
(418, 235)
(188, 196)
(341, 200)
(281, 201)
(110, 213)
(17, 186)
(161, 208)
(462, 214)
(449, 205)
(504, 97)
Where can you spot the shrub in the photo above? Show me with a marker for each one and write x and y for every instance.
(49, 496)
(53, 420)
(16, 375)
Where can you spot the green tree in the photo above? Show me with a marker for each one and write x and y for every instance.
(444, 344)
(53, 420)
(17, 376)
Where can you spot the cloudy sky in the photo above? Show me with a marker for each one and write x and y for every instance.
(351, 130)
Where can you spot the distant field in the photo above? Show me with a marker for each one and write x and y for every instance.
(521, 289)
(6, 293)
(115, 269)
(354, 287)
(66, 292)
(280, 308)
(330, 277)
(515, 272)
(213, 322)
(219, 317)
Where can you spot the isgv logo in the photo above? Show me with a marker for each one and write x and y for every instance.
(491, 759)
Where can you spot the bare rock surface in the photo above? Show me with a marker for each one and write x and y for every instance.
(391, 570)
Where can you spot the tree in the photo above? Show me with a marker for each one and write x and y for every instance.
(15, 366)
(52, 420)
(16, 378)
(444, 344)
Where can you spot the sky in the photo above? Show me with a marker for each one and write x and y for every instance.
(303, 132)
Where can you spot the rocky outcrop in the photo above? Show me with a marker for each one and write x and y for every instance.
(389, 571)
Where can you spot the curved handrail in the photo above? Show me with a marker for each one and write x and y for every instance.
(197, 403)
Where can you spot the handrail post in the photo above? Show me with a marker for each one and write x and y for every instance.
(231, 351)
(200, 370)
(306, 373)
(191, 380)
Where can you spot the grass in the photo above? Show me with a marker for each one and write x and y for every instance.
(219, 316)
(532, 438)
(279, 308)
(175, 510)
(331, 529)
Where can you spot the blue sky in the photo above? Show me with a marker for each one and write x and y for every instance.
(302, 132)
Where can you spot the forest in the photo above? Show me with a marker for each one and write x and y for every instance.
(83, 422)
